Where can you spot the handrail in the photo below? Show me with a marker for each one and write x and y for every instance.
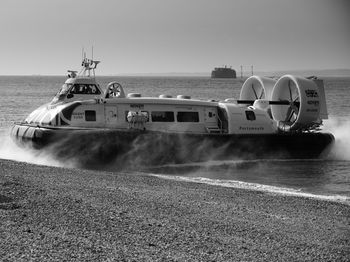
(220, 121)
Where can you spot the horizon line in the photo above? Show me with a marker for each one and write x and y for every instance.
(345, 72)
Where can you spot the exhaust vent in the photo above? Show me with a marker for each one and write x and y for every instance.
(183, 97)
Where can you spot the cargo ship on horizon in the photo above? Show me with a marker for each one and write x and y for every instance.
(223, 72)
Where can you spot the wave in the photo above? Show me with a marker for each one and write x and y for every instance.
(255, 187)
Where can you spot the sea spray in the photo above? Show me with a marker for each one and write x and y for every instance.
(9, 150)
(340, 128)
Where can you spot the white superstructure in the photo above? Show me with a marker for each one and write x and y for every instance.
(266, 106)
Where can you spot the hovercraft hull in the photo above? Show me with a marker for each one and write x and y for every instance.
(133, 147)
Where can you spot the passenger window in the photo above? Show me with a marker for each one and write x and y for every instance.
(90, 115)
(187, 117)
(250, 115)
(158, 116)
(143, 113)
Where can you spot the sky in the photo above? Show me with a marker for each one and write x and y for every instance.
(46, 37)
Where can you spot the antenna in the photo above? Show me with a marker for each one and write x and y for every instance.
(83, 53)
(88, 64)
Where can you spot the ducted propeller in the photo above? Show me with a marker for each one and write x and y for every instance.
(295, 103)
(256, 87)
(293, 109)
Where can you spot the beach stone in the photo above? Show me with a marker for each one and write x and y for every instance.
(90, 215)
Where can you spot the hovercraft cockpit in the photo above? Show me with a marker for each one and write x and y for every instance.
(79, 87)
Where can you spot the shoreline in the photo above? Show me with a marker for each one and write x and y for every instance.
(268, 189)
(54, 213)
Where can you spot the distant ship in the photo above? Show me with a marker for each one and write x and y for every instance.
(223, 72)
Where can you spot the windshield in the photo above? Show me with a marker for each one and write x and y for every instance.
(85, 89)
(61, 94)
(64, 89)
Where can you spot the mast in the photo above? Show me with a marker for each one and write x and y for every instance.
(92, 59)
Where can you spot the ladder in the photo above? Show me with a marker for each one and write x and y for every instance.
(213, 129)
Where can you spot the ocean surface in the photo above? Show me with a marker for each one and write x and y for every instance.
(327, 178)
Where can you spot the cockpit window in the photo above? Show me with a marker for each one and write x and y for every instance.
(61, 94)
(85, 89)
(64, 89)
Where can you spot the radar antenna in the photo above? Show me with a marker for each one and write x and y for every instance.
(88, 65)
(72, 73)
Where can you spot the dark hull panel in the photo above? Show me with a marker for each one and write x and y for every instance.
(134, 148)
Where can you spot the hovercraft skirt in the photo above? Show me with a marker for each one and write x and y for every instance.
(100, 146)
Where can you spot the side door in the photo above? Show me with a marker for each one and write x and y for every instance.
(111, 113)
(210, 116)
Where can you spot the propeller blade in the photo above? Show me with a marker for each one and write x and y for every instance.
(288, 114)
(256, 96)
(262, 92)
(296, 110)
(290, 91)
(295, 113)
(291, 116)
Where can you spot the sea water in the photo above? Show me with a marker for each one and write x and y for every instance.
(326, 178)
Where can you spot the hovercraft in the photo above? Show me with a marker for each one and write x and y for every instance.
(273, 118)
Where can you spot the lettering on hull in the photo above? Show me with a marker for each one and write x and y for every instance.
(251, 128)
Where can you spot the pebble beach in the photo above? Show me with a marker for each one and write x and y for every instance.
(60, 214)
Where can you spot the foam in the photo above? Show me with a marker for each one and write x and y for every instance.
(10, 151)
(256, 187)
(340, 128)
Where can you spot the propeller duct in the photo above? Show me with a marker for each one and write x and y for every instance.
(303, 107)
(257, 87)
